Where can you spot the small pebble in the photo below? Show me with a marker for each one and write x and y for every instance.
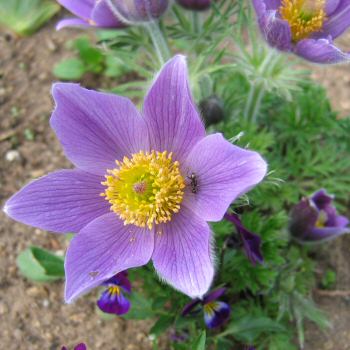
(12, 156)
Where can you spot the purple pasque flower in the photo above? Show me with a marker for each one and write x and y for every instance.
(80, 346)
(144, 187)
(112, 300)
(90, 13)
(138, 11)
(315, 219)
(305, 27)
(196, 5)
(216, 313)
(251, 241)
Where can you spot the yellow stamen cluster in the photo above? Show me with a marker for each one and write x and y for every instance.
(304, 16)
(145, 189)
(114, 290)
(211, 307)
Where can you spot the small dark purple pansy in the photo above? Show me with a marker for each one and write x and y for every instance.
(130, 198)
(80, 346)
(305, 27)
(251, 241)
(89, 13)
(215, 312)
(112, 300)
(315, 219)
(138, 11)
(196, 5)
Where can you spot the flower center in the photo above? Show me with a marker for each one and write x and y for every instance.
(145, 189)
(322, 219)
(304, 16)
(211, 307)
(114, 290)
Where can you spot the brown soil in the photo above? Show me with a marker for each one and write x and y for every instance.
(34, 316)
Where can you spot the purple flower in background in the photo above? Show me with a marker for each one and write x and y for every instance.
(80, 346)
(138, 11)
(251, 241)
(90, 13)
(196, 5)
(216, 313)
(112, 300)
(315, 219)
(305, 27)
(144, 186)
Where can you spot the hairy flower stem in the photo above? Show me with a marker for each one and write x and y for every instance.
(253, 104)
(159, 42)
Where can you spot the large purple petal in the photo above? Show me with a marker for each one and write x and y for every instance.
(183, 254)
(80, 8)
(104, 17)
(339, 21)
(96, 128)
(102, 249)
(173, 121)
(113, 302)
(320, 51)
(63, 201)
(72, 22)
(223, 172)
(341, 221)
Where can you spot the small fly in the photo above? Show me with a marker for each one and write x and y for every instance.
(193, 183)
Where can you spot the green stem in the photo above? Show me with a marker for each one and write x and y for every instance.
(253, 104)
(196, 22)
(158, 40)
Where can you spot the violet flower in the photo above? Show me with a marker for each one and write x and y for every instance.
(251, 241)
(112, 300)
(144, 186)
(80, 346)
(90, 13)
(315, 219)
(196, 5)
(305, 27)
(216, 313)
(138, 11)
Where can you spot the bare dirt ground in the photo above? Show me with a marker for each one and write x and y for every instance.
(34, 317)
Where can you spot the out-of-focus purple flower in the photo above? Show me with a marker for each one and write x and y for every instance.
(251, 241)
(216, 313)
(112, 300)
(305, 27)
(315, 219)
(138, 11)
(80, 346)
(144, 187)
(196, 5)
(90, 13)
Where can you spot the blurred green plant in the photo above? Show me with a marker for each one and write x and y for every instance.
(24, 17)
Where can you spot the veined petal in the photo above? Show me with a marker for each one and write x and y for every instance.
(331, 6)
(183, 254)
(102, 249)
(104, 17)
(81, 8)
(72, 22)
(339, 21)
(216, 313)
(223, 172)
(96, 128)
(173, 122)
(113, 301)
(276, 31)
(321, 51)
(63, 201)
